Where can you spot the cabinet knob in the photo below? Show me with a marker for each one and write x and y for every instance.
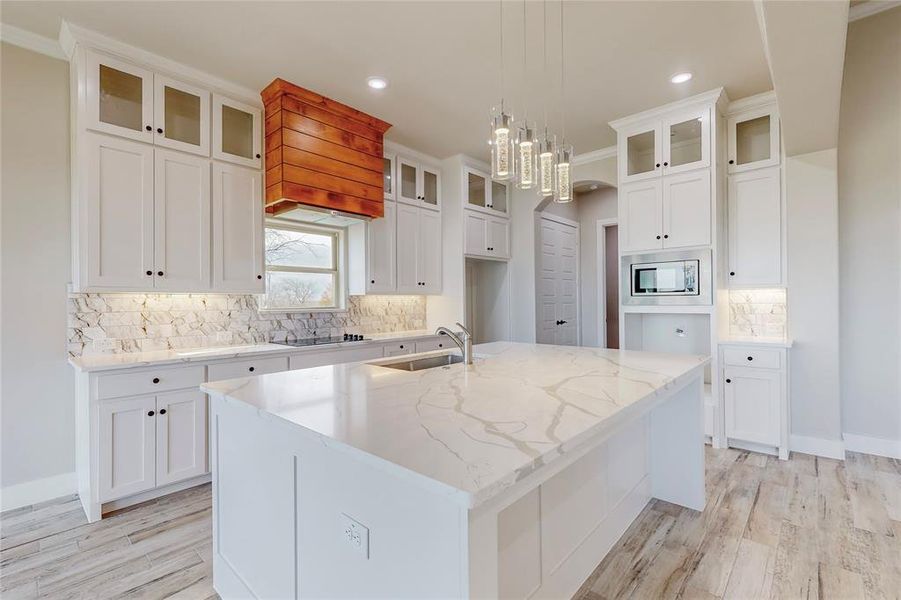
(732, 273)
(149, 128)
(258, 155)
(159, 130)
(728, 381)
(441, 345)
(150, 413)
(657, 165)
(149, 273)
(372, 281)
(750, 358)
(401, 346)
(251, 369)
(731, 162)
(162, 411)
(658, 237)
(156, 380)
(666, 236)
(159, 273)
(666, 164)
(259, 276)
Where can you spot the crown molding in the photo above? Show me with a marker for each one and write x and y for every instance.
(395, 148)
(870, 8)
(31, 41)
(714, 96)
(599, 154)
(751, 102)
(71, 35)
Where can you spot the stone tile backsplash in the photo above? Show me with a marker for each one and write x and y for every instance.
(758, 313)
(108, 323)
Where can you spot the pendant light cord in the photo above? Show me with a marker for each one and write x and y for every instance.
(562, 108)
(524, 79)
(501, 23)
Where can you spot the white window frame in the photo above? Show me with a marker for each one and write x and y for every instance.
(339, 266)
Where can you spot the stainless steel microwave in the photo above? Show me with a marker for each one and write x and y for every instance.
(680, 277)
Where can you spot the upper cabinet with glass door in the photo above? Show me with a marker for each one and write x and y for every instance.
(680, 142)
(753, 139)
(417, 183)
(388, 176)
(640, 146)
(237, 133)
(181, 116)
(118, 98)
(483, 194)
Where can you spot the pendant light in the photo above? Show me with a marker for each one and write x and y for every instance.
(546, 152)
(526, 142)
(564, 184)
(503, 163)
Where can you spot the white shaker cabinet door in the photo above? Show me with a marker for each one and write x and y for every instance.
(429, 252)
(407, 249)
(752, 405)
(755, 228)
(116, 242)
(237, 229)
(181, 435)
(118, 97)
(641, 208)
(499, 238)
(127, 442)
(475, 233)
(381, 252)
(686, 209)
(181, 116)
(182, 221)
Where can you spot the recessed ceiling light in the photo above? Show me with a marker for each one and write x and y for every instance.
(680, 77)
(377, 83)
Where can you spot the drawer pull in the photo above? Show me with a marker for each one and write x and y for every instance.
(156, 380)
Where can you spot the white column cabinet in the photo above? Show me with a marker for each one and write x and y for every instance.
(237, 229)
(755, 228)
(180, 436)
(381, 248)
(181, 230)
(127, 447)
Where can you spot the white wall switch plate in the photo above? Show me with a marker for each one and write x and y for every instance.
(356, 534)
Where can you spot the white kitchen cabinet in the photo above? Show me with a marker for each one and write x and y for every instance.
(307, 360)
(381, 252)
(237, 261)
(499, 237)
(418, 183)
(118, 97)
(181, 230)
(641, 223)
(115, 237)
(399, 348)
(181, 436)
(753, 139)
(486, 236)
(181, 116)
(388, 176)
(246, 368)
(686, 141)
(127, 446)
(237, 132)
(483, 194)
(686, 209)
(429, 252)
(752, 405)
(755, 228)
(418, 250)
(640, 151)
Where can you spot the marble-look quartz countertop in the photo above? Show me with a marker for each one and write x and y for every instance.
(127, 360)
(468, 431)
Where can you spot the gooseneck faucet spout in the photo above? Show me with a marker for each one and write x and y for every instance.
(464, 344)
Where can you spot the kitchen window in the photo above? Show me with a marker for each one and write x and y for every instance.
(302, 268)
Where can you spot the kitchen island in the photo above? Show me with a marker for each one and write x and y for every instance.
(510, 477)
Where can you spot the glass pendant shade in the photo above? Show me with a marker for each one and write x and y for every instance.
(546, 168)
(526, 158)
(502, 147)
(564, 189)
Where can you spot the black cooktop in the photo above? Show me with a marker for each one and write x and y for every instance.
(320, 341)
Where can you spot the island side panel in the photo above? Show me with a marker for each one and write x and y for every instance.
(280, 494)
(677, 448)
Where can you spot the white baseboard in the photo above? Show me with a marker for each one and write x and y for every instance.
(817, 446)
(39, 490)
(872, 445)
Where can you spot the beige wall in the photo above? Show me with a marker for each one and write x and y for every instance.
(592, 206)
(869, 200)
(36, 392)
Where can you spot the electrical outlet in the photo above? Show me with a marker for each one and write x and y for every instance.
(105, 344)
(356, 534)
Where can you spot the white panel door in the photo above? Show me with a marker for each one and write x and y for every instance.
(127, 442)
(546, 285)
(181, 230)
(237, 132)
(180, 436)
(181, 116)
(118, 189)
(237, 229)
(686, 209)
(755, 228)
(380, 252)
(407, 249)
(429, 267)
(752, 405)
(475, 233)
(568, 285)
(641, 207)
(499, 238)
(558, 284)
(118, 97)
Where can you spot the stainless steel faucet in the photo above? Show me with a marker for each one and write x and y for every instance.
(465, 344)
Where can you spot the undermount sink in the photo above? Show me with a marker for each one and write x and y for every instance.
(429, 362)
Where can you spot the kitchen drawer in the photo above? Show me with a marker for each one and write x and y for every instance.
(305, 360)
(400, 348)
(246, 368)
(762, 358)
(149, 382)
(434, 344)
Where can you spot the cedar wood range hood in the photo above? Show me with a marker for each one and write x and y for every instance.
(321, 153)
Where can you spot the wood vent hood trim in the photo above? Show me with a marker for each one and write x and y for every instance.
(321, 153)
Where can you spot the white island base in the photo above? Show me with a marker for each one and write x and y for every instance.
(285, 495)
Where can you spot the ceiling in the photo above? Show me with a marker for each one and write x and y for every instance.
(442, 58)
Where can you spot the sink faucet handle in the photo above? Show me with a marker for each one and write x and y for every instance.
(463, 329)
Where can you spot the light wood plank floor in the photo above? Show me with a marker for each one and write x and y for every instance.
(805, 528)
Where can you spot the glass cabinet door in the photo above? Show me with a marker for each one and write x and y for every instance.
(236, 132)
(753, 140)
(499, 196)
(641, 149)
(119, 98)
(476, 190)
(686, 139)
(407, 181)
(430, 187)
(388, 177)
(181, 116)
